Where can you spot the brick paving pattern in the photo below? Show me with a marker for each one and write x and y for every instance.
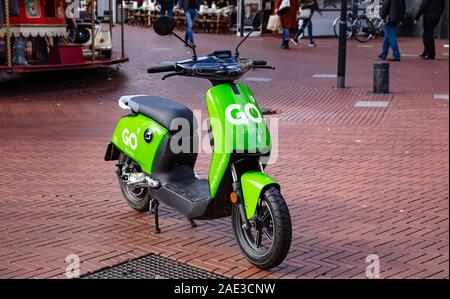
(358, 180)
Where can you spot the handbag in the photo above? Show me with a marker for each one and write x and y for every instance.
(274, 23)
(305, 13)
(284, 6)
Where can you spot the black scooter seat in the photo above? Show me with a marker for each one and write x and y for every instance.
(161, 110)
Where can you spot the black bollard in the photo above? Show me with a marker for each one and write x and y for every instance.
(381, 77)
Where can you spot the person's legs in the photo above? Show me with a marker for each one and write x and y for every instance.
(190, 15)
(170, 13)
(286, 34)
(162, 12)
(285, 38)
(428, 37)
(425, 38)
(302, 29)
(385, 49)
(310, 32)
(393, 41)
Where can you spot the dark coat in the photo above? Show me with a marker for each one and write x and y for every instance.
(289, 17)
(431, 9)
(184, 4)
(393, 11)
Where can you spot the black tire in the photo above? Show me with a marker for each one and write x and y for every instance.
(281, 231)
(364, 30)
(137, 198)
(336, 26)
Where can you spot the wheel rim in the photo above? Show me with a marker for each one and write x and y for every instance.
(363, 30)
(260, 237)
(135, 194)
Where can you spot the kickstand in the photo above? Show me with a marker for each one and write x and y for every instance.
(193, 223)
(154, 209)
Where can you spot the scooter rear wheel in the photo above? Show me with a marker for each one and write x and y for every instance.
(137, 198)
(266, 244)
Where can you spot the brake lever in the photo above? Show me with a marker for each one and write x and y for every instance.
(171, 75)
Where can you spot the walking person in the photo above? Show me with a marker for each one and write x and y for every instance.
(431, 10)
(166, 8)
(313, 6)
(288, 17)
(190, 8)
(392, 12)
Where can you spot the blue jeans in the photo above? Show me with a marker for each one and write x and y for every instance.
(390, 40)
(190, 16)
(286, 34)
(168, 11)
(306, 23)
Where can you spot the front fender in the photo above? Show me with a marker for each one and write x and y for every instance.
(253, 183)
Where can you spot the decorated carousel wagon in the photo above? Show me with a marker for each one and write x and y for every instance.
(46, 35)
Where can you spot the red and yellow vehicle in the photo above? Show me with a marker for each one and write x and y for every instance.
(47, 35)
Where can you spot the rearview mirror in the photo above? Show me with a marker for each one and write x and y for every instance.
(258, 19)
(163, 26)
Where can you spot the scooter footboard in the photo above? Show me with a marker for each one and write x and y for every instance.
(253, 184)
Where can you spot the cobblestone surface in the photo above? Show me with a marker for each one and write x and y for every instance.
(358, 180)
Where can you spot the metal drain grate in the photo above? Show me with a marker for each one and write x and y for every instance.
(153, 267)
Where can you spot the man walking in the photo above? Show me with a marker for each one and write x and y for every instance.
(392, 12)
(431, 10)
(190, 8)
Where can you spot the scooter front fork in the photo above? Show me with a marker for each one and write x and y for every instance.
(240, 203)
(238, 190)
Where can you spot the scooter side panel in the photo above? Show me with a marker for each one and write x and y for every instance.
(253, 183)
(237, 126)
(129, 138)
(236, 120)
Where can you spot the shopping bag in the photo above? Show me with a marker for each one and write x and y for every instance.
(305, 13)
(274, 23)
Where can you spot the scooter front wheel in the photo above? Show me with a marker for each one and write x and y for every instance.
(266, 243)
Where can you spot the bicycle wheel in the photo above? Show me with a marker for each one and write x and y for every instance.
(337, 23)
(363, 30)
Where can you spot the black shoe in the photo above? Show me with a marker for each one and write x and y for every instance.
(428, 57)
(423, 55)
(395, 59)
(382, 57)
(285, 45)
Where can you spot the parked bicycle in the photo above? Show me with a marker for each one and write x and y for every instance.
(362, 27)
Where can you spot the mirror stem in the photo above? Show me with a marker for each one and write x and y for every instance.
(194, 55)
(236, 53)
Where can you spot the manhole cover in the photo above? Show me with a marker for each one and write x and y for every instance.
(153, 267)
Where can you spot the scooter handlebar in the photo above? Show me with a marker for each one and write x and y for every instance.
(162, 69)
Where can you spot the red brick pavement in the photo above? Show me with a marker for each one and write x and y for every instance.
(358, 181)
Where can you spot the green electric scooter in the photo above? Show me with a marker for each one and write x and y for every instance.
(155, 145)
